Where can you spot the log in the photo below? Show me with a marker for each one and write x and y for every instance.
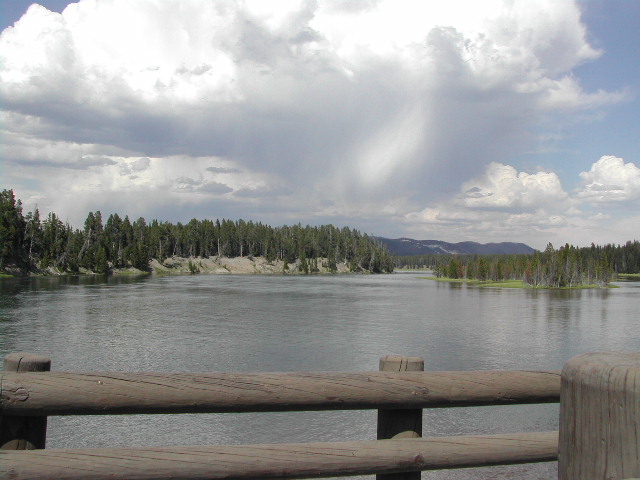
(600, 417)
(63, 393)
(310, 460)
(400, 423)
(23, 432)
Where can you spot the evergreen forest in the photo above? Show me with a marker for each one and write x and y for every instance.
(567, 266)
(30, 244)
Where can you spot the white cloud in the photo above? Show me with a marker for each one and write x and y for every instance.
(610, 179)
(533, 208)
(503, 187)
(293, 109)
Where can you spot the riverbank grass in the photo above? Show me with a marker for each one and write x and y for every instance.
(480, 283)
(629, 276)
(508, 284)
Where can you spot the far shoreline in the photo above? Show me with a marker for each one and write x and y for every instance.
(201, 265)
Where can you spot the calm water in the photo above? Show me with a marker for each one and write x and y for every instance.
(322, 323)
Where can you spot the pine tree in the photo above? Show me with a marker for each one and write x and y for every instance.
(12, 231)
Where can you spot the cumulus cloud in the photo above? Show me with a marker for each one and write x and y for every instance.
(610, 179)
(327, 109)
(502, 186)
(503, 203)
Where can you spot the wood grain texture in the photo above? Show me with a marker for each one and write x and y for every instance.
(396, 423)
(23, 432)
(60, 393)
(279, 461)
(600, 417)
(400, 423)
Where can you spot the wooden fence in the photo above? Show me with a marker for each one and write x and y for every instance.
(599, 433)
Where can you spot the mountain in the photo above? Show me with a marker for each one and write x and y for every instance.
(408, 246)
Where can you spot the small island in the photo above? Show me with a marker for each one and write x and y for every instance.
(511, 284)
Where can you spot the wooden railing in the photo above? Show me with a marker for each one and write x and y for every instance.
(602, 388)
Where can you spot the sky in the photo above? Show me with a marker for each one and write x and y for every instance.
(501, 120)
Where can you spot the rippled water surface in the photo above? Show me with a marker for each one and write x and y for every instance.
(237, 323)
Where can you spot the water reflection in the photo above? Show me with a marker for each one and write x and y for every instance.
(296, 323)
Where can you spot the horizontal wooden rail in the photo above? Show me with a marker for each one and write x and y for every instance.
(280, 461)
(62, 393)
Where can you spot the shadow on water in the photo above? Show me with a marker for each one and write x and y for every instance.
(14, 285)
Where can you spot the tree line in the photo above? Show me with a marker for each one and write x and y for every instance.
(566, 266)
(32, 244)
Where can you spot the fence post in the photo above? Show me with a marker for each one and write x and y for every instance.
(400, 423)
(600, 417)
(24, 433)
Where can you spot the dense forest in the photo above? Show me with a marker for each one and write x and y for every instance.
(567, 266)
(31, 244)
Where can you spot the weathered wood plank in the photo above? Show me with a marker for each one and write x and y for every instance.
(600, 417)
(396, 423)
(23, 433)
(60, 393)
(279, 461)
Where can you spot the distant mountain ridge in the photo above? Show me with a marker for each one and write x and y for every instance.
(408, 246)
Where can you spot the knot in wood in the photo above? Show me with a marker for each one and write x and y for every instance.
(21, 394)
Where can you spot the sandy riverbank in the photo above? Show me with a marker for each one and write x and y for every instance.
(210, 265)
(236, 265)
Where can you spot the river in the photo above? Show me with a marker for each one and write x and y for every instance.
(236, 323)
